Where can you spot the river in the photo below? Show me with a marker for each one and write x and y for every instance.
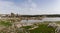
(44, 19)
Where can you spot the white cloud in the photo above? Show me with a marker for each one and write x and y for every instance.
(8, 7)
(29, 8)
(5, 6)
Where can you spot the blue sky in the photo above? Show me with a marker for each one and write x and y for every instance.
(30, 7)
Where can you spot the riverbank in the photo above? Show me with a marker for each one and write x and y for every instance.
(37, 27)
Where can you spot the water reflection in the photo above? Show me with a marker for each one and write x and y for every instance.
(44, 19)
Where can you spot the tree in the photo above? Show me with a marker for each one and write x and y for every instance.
(12, 14)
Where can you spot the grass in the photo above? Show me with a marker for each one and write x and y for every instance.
(26, 27)
(5, 23)
(43, 28)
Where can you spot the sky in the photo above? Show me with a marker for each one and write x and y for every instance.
(30, 7)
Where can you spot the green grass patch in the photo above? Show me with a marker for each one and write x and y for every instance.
(26, 27)
(5, 23)
(43, 28)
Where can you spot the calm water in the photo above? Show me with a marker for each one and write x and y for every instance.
(44, 19)
(52, 19)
